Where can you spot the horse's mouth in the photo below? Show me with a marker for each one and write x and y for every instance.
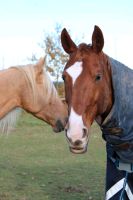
(59, 126)
(78, 150)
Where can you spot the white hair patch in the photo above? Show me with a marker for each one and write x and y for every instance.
(75, 70)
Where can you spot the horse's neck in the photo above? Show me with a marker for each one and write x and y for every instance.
(9, 112)
(109, 97)
(9, 87)
(110, 87)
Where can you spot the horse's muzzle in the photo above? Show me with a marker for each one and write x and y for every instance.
(78, 145)
(59, 126)
(77, 150)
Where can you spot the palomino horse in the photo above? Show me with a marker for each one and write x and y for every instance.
(100, 88)
(29, 87)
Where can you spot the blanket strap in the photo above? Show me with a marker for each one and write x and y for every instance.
(128, 167)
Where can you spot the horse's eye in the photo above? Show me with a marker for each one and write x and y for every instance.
(98, 77)
(63, 77)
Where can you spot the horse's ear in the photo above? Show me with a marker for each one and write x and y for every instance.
(68, 45)
(39, 67)
(97, 40)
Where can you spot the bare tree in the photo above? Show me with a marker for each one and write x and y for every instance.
(56, 58)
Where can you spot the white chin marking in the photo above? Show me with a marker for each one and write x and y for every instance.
(75, 70)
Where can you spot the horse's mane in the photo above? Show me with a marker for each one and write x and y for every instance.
(49, 90)
(8, 122)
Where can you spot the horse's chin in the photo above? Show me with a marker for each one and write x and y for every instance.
(78, 150)
(57, 130)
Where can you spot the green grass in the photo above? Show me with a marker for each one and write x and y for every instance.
(35, 164)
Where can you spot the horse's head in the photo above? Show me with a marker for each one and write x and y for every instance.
(87, 86)
(40, 97)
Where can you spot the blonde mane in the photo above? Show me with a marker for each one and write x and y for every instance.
(49, 90)
(8, 122)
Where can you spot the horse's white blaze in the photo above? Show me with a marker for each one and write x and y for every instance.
(75, 126)
(75, 122)
(75, 70)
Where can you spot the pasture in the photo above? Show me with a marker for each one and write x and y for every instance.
(35, 164)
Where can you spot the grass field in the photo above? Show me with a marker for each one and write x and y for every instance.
(35, 164)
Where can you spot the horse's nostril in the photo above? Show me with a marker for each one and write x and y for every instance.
(77, 142)
(59, 125)
(84, 132)
(69, 139)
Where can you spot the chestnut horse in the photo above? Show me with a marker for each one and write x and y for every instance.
(30, 88)
(88, 88)
(99, 88)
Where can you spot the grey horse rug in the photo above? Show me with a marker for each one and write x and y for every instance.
(117, 130)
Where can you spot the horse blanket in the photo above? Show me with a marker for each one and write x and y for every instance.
(118, 126)
(117, 130)
(115, 180)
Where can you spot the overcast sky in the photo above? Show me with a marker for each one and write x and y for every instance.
(22, 23)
